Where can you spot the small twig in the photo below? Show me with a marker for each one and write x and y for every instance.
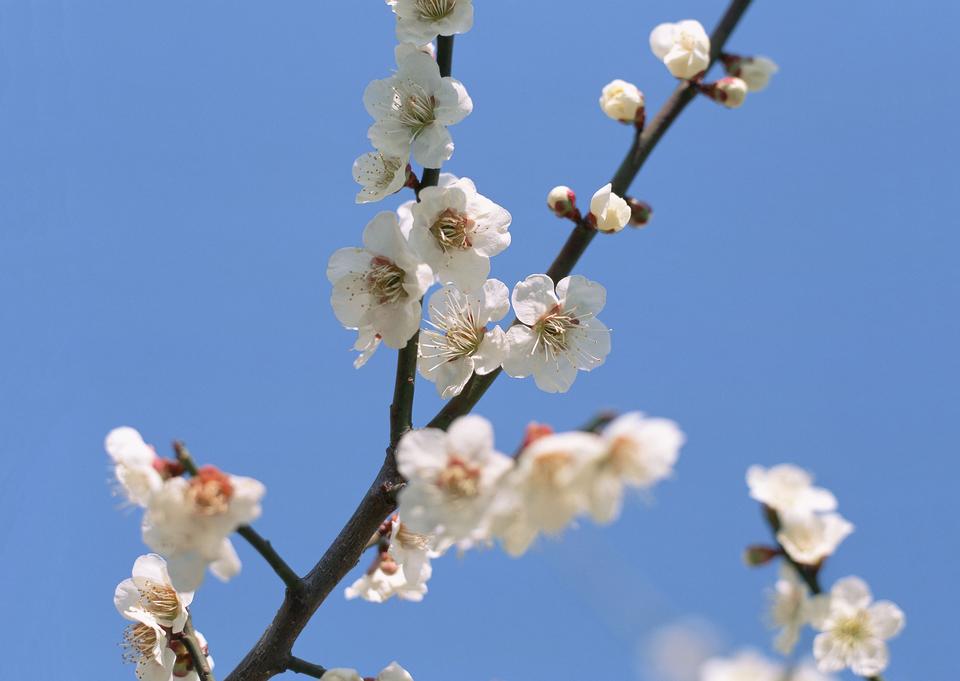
(295, 664)
(260, 545)
(200, 663)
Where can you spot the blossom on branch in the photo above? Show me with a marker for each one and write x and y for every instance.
(729, 91)
(379, 176)
(789, 608)
(461, 343)
(621, 101)
(788, 490)
(151, 591)
(756, 71)
(392, 672)
(412, 109)
(378, 287)
(189, 521)
(456, 231)
(853, 628)
(420, 21)
(136, 465)
(610, 212)
(559, 334)
(451, 478)
(684, 47)
(810, 539)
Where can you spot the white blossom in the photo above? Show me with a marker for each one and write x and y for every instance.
(378, 287)
(731, 92)
(146, 645)
(810, 539)
(788, 490)
(366, 344)
(789, 609)
(612, 213)
(412, 109)
(461, 343)
(150, 590)
(189, 521)
(638, 452)
(134, 464)
(621, 101)
(457, 230)
(420, 21)
(379, 176)
(451, 477)
(747, 665)
(341, 674)
(559, 333)
(684, 47)
(546, 489)
(403, 570)
(392, 672)
(853, 629)
(756, 71)
(562, 201)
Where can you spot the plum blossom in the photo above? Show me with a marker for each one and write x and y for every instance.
(151, 591)
(412, 109)
(420, 21)
(135, 464)
(401, 570)
(853, 628)
(639, 451)
(610, 211)
(378, 288)
(457, 230)
(789, 609)
(189, 520)
(559, 333)
(146, 645)
(451, 478)
(788, 490)
(546, 489)
(621, 101)
(684, 47)
(379, 176)
(562, 201)
(756, 71)
(392, 672)
(730, 91)
(461, 343)
(808, 540)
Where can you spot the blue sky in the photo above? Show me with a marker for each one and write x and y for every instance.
(174, 176)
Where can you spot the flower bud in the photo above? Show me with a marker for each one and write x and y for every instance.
(729, 91)
(562, 201)
(622, 101)
(756, 72)
(610, 212)
(756, 554)
(534, 432)
(640, 212)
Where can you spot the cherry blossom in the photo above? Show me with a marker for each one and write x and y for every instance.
(146, 645)
(684, 47)
(451, 477)
(150, 590)
(457, 230)
(854, 629)
(379, 176)
(559, 333)
(378, 287)
(402, 570)
(610, 211)
(461, 343)
(810, 539)
(412, 109)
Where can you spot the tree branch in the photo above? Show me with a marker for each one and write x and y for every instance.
(295, 664)
(200, 663)
(261, 545)
(271, 653)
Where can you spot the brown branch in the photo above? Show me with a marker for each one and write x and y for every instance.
(295, 664)
(271, 654)
(200, 663)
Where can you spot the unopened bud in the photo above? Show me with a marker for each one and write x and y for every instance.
(610, 212)
(622, 101)
(756, 71)
(640, 212)
(562, 201)
(729, 91)
(758, 554)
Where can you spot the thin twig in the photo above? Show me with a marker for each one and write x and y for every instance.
(260, 545)
(200, 663)
(295, 664)
(269, 655)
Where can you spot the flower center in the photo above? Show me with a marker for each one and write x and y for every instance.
(159, 599)
(453, 230)
(852, 630)
(434, 10)
(553, 331)
(459, 479)
(209, 491)
(413, 105)
(687, 40)
(385, 280)
(622, 452)
(139, 642)
(463, 333)
(548, 468)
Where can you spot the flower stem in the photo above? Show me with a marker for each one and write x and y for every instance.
(200, 663)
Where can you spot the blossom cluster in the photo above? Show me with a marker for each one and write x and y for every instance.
(853, 628)
(461, 492)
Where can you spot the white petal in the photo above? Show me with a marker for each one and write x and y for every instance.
(422, 451)
(491, 353)
(870, 657)
(494, 299)
(533, 297)
(227, 565)
(471, 437)
(852, 592)
(347, 261)
(382, 235)
(432, 146)
(886, 619)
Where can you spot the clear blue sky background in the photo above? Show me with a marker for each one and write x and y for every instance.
(174, 176)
